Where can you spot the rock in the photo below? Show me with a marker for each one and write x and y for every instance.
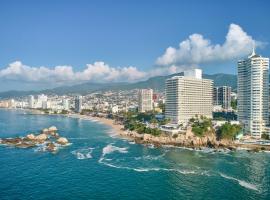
(52, 129)
(45, 131)
(51, 147)
(62, 140)
(31, 137)
(41, 137)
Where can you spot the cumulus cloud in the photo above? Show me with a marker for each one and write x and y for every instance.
(99, 72)
(191, 53)
(198, 50)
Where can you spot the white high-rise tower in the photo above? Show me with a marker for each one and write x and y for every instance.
(145, 100)
(253, 94)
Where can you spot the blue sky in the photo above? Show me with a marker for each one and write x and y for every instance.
(115, 35)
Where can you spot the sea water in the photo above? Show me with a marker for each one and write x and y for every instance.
(99, 165)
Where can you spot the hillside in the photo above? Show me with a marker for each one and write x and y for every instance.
(156, 83)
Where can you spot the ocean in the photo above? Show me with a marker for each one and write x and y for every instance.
(99, 165)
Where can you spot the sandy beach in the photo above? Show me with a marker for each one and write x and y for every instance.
(117, 128)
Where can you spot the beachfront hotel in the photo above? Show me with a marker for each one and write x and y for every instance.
(253, 94)
(145, 100)
(188, 96)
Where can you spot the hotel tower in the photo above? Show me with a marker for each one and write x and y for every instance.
(253, 94)
(188, 96)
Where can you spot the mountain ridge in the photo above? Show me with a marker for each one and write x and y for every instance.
(156, 83)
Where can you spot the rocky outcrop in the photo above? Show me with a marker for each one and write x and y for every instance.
(41, 137)
(47, 137)
(62, 141)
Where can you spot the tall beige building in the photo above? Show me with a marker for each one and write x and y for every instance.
(188, 96)
(145, 100)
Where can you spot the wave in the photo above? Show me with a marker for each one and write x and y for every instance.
(82, 154)
(155, 169)
(241, 182)
(110, 149)
(149, 157)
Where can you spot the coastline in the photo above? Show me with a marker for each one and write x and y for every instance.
(167, 140)
(180, 141)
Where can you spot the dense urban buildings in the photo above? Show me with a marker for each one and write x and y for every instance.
(188, 96)
(253, 94)
(222, 97)
(145, 100)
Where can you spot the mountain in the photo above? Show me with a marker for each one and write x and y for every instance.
(157, 83)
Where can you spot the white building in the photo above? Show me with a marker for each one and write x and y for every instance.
(41, 100)
(188, 96)
(145, 100)
(66, 104)
(78, 104)
(31, 101)
(253, 94)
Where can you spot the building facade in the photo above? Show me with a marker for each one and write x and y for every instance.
(188, 96)
(253, 94)
(145, 99)
(222, 96)
(78, 104)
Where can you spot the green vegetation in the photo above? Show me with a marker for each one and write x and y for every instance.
(64, 112)
(162, 107)
(228, 131)
(201, 126)
(234, 104)
(141, 128)
(85, 111)
(134, 121)
(265, 136)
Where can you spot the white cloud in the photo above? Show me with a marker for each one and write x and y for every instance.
(99, 72)
(192, 52)
(197, 50)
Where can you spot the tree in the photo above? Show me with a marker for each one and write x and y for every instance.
(265, 136)
(228, 131)
(201, 126)
(234, 104)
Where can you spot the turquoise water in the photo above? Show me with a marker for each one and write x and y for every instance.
(100, 166)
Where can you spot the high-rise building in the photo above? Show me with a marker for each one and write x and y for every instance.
(31, 101)
(222, 96)
(78, 104)
(188, 96)
(253, 94)
(65, 103)
(41, 101)
(145, 100)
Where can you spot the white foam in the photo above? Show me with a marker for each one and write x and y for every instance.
(241, 182)
(131, 142)
(149, 157)
(110, 149)
(82, 154)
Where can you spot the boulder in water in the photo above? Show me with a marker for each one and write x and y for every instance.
(62, 140)
(52, 129)
(41, 137)
(31, 137)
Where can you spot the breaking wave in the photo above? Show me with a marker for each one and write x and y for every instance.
(241, 182)
(82, 154)
(110, 149)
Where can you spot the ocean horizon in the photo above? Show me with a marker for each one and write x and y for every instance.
(99, 165)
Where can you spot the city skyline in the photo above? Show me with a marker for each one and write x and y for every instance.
(61, 50)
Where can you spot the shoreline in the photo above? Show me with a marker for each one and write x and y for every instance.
(160, 141)
(165, 140)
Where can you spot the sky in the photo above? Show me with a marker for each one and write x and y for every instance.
(45, 44)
